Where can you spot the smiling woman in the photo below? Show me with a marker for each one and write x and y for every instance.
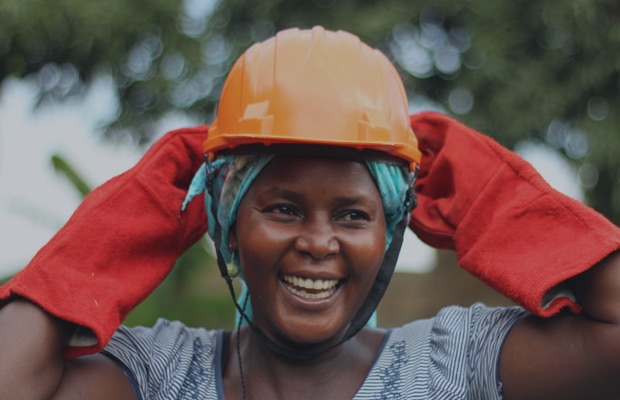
(309, 221)
(306, 189)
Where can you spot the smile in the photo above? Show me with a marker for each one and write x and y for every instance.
(310, 288)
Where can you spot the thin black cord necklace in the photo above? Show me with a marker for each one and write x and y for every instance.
(243, 388)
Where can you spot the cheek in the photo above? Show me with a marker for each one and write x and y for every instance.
(260, 247)
(366, 253)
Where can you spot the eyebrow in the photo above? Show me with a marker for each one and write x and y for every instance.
(294, 196)
(284, 193)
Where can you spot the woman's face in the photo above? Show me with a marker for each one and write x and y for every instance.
(310, 234)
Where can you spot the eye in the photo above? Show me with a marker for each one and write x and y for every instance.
(283, 211)
(354, 215)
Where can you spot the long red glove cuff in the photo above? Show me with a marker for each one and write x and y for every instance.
(507, 225)
(120, 243)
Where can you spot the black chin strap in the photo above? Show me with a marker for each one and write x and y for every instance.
(366, 310)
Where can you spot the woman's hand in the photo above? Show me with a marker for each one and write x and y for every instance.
(120, 243)
(513, 231)
(507, 225)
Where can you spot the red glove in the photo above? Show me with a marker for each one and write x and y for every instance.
(507, 225)
(120, 243)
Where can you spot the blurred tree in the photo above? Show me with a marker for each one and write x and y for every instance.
(541, 70)
(64, 44)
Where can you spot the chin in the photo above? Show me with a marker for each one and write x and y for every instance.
(311, 335)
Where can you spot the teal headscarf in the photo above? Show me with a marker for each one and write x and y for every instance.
(233, 175)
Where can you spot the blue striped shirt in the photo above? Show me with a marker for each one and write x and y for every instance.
(454, 355)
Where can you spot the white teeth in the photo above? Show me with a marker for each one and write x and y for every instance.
(296, 285)
(304, 294)
(308, 283)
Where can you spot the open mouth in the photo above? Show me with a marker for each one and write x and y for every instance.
(311, 288)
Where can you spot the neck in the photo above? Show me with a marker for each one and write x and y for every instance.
(268, 374)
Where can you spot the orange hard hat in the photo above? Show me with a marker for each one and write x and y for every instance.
(314, 87)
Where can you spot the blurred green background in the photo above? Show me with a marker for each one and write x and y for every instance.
(546, 71)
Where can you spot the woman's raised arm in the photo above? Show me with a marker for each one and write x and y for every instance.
(31, 345)
(32, 364)
(115, 249)
(569, 356)
(119, 244)
(540, 248)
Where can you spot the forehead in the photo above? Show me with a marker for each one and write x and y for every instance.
(317, 173)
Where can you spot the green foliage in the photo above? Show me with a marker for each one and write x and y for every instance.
(62, 166)
(63, 44)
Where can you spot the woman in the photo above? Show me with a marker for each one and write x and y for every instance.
(307, 182)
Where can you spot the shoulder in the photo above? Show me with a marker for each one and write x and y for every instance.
(477, 322)
(164, 339)
(455, 325)
(454, 353)
(465, 346)
(168, 358)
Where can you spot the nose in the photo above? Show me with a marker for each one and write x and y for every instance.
(317, 238)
